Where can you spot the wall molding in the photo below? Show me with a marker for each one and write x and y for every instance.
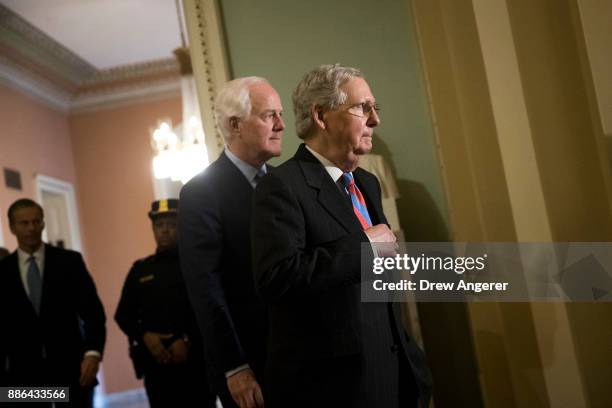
(23, 37)
(40, 67)
(127, 96)
(209, 61)
(35, 87)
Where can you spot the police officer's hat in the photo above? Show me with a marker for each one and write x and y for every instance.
(164, 207)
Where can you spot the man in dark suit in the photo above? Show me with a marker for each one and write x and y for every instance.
(214, 243)
(310, 216)
(53, 322)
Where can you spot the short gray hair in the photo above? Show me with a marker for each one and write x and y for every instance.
(320, 87)
(234, 100)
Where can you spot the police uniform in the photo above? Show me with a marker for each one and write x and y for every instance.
(154, 299)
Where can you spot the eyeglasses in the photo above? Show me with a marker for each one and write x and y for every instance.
(362, 110)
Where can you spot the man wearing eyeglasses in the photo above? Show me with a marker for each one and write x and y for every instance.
(310, 216)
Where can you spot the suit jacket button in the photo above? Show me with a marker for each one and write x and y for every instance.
(394, 349)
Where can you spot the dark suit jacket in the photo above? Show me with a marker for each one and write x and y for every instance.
(324, 344)
(48, 348)
(215, 253)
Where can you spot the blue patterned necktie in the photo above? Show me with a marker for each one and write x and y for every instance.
(260, 173)
(34, 283)
(359, 206)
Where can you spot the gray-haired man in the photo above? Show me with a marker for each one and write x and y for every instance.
(327, 349)
(214, 242)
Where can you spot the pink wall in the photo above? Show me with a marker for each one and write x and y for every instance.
(34, 139)
(112, 157)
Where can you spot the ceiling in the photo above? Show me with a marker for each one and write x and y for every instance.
(106, 33)
(77, 55)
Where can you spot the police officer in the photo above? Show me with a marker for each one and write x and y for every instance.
(155, 314)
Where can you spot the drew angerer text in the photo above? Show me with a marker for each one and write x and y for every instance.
(425, 285)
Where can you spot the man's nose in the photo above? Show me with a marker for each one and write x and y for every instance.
(373, 119)
(280, 124)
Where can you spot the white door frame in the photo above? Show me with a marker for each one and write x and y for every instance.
(56, 186)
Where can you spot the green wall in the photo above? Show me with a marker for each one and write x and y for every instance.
(283, 39)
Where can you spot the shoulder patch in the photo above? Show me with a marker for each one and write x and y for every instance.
(146, 278)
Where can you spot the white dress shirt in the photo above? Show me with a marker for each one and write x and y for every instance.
(334, 171)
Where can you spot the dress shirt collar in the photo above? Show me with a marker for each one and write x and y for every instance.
(245, 168)
(39, 255)
(334, 171)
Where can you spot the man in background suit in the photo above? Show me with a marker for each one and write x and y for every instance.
(310, 216)
(214, 243)
(53, 322)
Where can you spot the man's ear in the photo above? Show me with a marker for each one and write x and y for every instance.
(234, 124)
(318, 117)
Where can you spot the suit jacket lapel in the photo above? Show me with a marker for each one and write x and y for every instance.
(47, 276)
(328, 194)
(370, 193)
(18, 284)
(232, 171)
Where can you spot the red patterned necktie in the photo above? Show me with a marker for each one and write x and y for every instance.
(359, 205)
